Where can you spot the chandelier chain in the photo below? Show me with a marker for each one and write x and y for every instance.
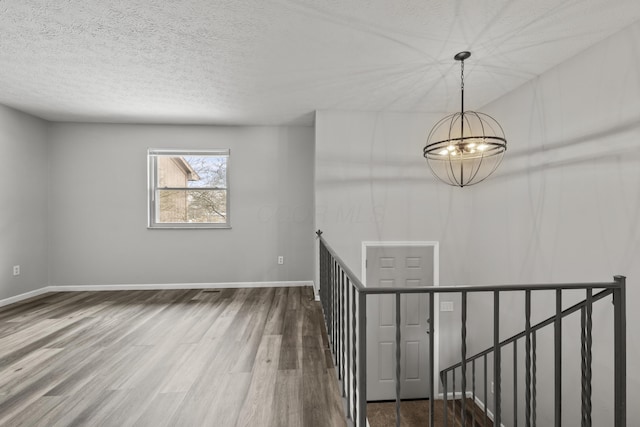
(462, 98)
(462, 75)
(462, 93)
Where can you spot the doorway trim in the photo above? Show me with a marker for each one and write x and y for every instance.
(435, 317)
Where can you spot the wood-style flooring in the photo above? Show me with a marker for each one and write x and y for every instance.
(230, 357)
(415, 413)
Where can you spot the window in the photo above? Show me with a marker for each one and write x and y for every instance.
(188, 189)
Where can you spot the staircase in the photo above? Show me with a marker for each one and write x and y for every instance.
(512, 402)
(475, 416)
(522, 397)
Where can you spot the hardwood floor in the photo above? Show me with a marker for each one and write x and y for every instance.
(415, 413)
(233, 357)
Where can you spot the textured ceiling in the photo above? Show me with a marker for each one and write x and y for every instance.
(276, 61)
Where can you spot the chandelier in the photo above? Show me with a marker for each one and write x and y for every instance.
(465, 148)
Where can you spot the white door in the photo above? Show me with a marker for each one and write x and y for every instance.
(398, 266)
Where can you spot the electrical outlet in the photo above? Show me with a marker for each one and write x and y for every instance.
(446, 306)
(280, 260)
(16, 270)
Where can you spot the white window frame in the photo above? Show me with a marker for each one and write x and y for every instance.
(152, 155)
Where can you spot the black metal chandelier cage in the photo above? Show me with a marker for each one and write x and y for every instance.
(465, 148)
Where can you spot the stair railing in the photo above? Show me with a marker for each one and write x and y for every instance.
(615, 289)
(344, 305)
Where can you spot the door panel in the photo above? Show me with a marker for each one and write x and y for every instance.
(391, 266)
(387, 317)
(412, 352)
(412, 310)
(413, 283)
(385, 368)
(413, 262)
(387, 262)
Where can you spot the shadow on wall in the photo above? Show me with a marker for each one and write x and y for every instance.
(614, 144)
(602, 134)
(608, 144)
(356, 170)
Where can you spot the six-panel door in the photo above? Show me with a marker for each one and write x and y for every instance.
(398, 266)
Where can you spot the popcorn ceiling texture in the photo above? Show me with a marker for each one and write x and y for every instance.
(276, 61)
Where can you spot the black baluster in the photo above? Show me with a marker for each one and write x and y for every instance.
(463, 348)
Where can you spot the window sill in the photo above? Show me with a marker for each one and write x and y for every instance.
(188, 227)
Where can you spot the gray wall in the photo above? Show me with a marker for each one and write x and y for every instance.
(564, 207)
(98, 207)
(372, 184)
(23, 202)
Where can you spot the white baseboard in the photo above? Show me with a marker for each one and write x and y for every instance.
(164, 286)
(140, 287)
(26, 295)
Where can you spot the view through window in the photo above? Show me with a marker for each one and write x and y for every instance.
(188, 189)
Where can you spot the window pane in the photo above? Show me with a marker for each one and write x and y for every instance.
(192, 171)
(190, 188)
(211, 170)
(192, 206)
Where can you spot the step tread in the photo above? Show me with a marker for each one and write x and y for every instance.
(472, 410)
